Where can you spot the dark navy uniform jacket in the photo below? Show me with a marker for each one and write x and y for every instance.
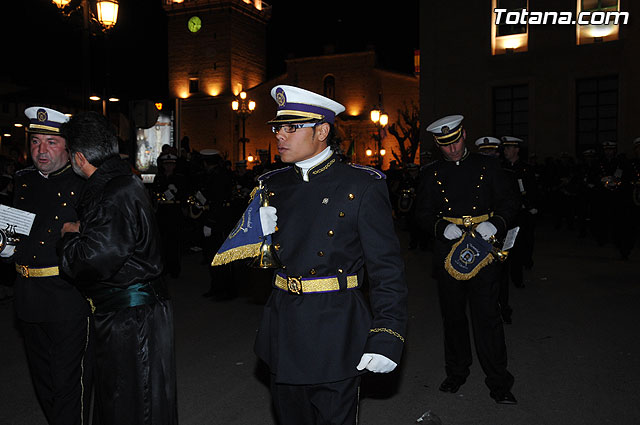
(337, 224)
(474, 186)
(53, 199)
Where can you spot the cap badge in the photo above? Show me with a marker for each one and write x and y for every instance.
(41, 115)
(445, 130)
(281, 98)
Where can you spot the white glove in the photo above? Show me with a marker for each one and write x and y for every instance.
(452, 232)
(533, 211)
(206, 230)
(486, 230)
(376, 363)
(7, 251)
(268, 220)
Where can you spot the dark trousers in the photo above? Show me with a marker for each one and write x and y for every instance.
(481, 295)
(135, 366)
(503, 297)
(171, 227)
(60, 359)
(334, 403)
(223, 282)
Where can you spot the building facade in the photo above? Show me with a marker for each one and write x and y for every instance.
(539, 75)
(217, 50)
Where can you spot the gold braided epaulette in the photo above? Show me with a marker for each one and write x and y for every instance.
(389, 331)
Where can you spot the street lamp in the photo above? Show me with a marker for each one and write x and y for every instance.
(106, 15)
(380, 119)
(61, 3)
(243, 107)
(106, 11)
(97, 98)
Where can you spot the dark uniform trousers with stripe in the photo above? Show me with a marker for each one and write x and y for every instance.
(54, 317)
(475, 186)
(61, 366)
(330, 227)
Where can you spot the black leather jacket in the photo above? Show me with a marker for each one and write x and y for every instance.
(118, 243)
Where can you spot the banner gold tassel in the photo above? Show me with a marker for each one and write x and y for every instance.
(246, 251)
(464, 276)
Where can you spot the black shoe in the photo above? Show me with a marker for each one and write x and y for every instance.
(208, 294)
(451, 385)
(503, 397)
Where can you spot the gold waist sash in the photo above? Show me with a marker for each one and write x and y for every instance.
(300, 285)
(467, 220)
(26, 271)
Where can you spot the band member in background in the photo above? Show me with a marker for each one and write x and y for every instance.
(214, 193)
(489, 146)
(463, 192)
(614, 199)
(169, 191)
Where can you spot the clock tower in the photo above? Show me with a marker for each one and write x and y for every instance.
(216, 48)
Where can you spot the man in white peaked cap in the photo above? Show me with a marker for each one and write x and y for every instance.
(55, 318)
(467, 194)
(489, 146)
(319, 333)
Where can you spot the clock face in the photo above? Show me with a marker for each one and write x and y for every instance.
(194, 24)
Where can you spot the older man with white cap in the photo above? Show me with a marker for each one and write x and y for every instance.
(54, 316)
(463, 195)
(319, 333)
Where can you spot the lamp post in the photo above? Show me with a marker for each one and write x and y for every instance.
(380, 119)
(243, 107)
(107, 17)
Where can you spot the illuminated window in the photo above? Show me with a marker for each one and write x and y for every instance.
(597, 5)
(509, 34)
(511, 27)
(596, 111)
(511, 111)
(603, 21)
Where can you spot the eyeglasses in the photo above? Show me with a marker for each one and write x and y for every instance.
(291, 128)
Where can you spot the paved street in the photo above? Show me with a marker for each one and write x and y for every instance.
(573, 348)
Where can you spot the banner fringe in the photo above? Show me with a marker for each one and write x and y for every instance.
(464, 276)
(239, 253)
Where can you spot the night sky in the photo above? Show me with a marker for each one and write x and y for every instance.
(42, 49)
(304, 28)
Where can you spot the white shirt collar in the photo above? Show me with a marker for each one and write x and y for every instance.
(307, 164)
